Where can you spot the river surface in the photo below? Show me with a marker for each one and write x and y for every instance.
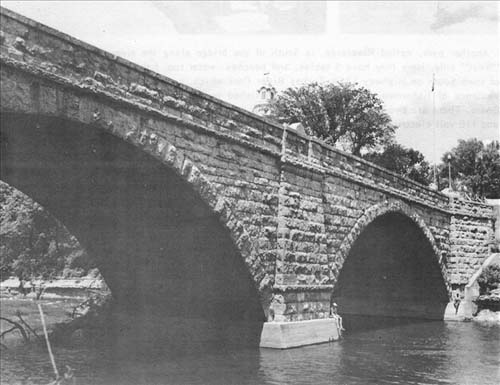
(409, 353)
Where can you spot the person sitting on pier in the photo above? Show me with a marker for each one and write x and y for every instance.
(337, 318)
(456, 300)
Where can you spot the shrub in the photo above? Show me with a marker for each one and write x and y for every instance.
(489, 279)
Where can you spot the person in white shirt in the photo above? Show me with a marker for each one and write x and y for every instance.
(337, 318)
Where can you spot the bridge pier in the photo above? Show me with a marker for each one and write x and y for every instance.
(284, 335)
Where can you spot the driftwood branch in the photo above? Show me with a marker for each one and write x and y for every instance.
(81, 305)
(16, 326)
(18, 314)
(7, 331)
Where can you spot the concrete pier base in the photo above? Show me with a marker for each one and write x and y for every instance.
(284, 335)
(466, 309)
(450, 313)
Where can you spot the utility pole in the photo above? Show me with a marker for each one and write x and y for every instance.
(449, 172)
(434, 130)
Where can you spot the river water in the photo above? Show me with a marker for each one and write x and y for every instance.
(410, 353)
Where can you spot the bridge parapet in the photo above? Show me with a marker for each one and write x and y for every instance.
(313, 153)
(57, 56)
(48, 53)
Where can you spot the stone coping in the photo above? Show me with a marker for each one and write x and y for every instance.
(247, 114)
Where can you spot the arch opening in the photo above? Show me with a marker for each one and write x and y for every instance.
(169, 262)
(391, 271)
(36, 250)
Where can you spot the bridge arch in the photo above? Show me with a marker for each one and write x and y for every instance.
(392, 236)
(141, 184)
(372, 213)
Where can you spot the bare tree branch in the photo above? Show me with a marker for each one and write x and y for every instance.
(18, 314)
(16, 326)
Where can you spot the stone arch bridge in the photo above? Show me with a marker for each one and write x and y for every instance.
(205, 214)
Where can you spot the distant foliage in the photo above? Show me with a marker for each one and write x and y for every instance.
(405, 161)
(33, 244)
(346, 115)
(475, 167)
(489, 279)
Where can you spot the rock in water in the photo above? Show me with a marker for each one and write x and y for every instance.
(488, 316)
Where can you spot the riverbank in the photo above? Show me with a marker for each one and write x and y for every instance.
(53, 289)
(62, 300)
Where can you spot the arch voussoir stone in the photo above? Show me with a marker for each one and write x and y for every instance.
(169, 155)
(369, 216)
(187, 169)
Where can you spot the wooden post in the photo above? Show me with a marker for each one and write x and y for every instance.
(56, 372)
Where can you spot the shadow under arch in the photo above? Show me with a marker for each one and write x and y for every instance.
(163, 240)
(390, 267)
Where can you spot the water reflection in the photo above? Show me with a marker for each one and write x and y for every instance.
(420, 353)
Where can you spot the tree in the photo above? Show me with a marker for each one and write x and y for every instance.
(489, 279)
(475, 166)
(342, 114)
(405, 161)
(33, 244)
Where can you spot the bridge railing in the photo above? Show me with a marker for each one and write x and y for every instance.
(312, 151)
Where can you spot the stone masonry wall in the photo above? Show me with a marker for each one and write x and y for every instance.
(37, 49)
(240, 185)
(293, 205)
(321, 216)
(471, 236)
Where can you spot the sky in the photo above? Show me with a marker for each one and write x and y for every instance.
(391, 48)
